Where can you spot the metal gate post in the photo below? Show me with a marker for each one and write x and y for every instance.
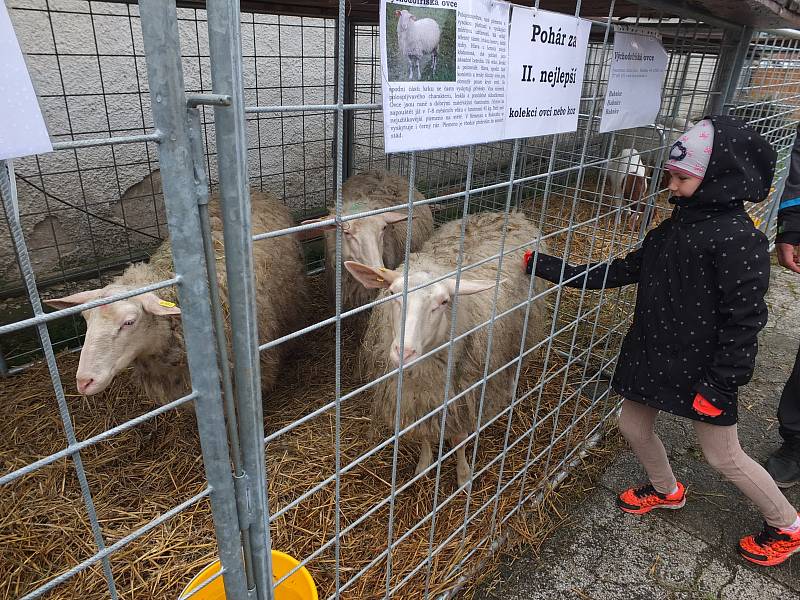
(735, 43)
(224, 37)
(165, 77)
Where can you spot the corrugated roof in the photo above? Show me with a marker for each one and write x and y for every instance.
(760, 14)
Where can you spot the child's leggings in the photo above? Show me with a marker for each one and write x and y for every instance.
(722, 451)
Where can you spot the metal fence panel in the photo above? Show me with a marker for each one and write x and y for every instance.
(768, 96)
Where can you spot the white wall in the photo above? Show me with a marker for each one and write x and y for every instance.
(89, 71)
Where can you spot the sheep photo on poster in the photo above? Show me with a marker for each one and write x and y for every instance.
(420, 43)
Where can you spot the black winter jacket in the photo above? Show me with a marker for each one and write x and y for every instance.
(702, 276)
(789, 209)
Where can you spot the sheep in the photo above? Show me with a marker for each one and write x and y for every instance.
(628, 177)
(428, 326)
(141, 331)
(415, 39)
(378, 240)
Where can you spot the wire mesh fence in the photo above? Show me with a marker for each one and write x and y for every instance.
(768, 97)
(286, 447)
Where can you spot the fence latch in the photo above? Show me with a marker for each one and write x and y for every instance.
(198, 155)
(244, 499)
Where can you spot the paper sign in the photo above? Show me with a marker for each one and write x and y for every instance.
(452, 75)
(22, 128)
(637, 71)
(547, 57)
(454, 96)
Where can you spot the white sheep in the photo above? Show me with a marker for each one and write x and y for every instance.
(142, 332)
(628, 177)
(415, 39)
(428, 317)
(378, 240)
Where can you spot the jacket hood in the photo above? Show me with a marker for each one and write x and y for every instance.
(740, 170)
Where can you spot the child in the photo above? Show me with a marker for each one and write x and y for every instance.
(702, 276)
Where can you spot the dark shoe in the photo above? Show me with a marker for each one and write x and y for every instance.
(641, 500)
(784, 465)
(770, 547)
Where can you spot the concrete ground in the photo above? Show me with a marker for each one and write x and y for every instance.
(601, 553)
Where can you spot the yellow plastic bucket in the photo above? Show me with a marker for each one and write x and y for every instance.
(300, 586)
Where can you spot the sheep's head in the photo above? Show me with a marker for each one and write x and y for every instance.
(362, 239)
(427, 309)
(116, 333)
(404, 17)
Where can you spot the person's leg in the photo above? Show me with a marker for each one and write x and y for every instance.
(781, 536)
(722, 451)
(789, 407)
(637, 423)
(784, 464)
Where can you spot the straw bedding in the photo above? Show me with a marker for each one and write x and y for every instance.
(139, 474)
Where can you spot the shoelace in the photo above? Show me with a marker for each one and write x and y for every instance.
(646, 490)
(769, 534)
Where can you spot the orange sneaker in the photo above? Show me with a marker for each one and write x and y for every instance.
(770, 547)
(639, 501)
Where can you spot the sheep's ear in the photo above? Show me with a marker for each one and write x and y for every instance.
(74, 299)
(371, 277)
(326, 227)
(395, 217)
(156, 306)
(397, 13)
(665, 176)
(470, 286)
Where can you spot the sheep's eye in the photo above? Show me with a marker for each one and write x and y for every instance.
(128, 323)
(445, 301)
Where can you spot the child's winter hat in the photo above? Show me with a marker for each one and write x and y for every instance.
(740, 169)
(691, 153)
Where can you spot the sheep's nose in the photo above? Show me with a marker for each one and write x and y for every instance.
(408, 354)
(84, 383)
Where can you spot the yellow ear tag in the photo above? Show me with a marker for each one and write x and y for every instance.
(379, 279)
(167, 304)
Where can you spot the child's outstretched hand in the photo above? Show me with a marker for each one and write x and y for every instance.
(703, 407)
